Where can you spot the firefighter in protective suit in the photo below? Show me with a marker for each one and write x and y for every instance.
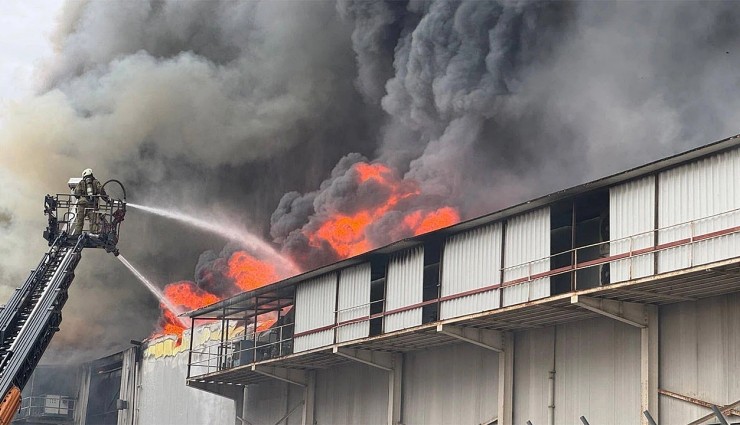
(87, 192)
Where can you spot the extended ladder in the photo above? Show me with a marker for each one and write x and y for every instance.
(33, 314)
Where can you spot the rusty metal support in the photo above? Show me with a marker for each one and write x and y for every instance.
(485, 338)
(725, 409)
(728, 409)
(291, 376)
(626, 312)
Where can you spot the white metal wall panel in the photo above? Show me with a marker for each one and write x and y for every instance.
(597, 365)
(471, 260)
(353, 302)
(527, 251)
(350, 394)
(128, 385)
(704, 193)
(700, 355)
(269, 401)
(162, 398)
(404, 287)
(631, 225)
(315, 300)
(454, 384)
(533, 360)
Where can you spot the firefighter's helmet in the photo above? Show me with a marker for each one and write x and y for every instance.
(87, 172)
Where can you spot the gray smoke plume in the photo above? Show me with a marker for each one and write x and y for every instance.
(228, 106)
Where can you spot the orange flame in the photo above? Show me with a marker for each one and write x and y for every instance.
(250, 273)
(421, 222)
(247, 273)
(187, 296)
(347, 233)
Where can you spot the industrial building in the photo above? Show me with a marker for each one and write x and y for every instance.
(599, 302)
(602, 301)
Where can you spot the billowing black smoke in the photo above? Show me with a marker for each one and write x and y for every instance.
(247, 107)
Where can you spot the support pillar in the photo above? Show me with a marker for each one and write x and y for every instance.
(649, 363)
(309, 399)
(646, 318)
(506, 381)
(391, 363)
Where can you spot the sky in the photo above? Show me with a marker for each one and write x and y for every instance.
(26, 27)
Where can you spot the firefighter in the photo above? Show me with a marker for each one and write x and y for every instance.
(87, 192)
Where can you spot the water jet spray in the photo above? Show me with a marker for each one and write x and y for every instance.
(154, 290)
(235, 234)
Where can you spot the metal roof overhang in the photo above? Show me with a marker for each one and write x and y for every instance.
(690, 284)
(644, 170)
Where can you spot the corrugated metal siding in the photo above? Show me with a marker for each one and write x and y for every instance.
(164, 399)
(404, 287)
(631, 213)
(83, 398)
(700, 355)
(533, 357)
(267, 402)
(128, 386)
(471, 260)
(315, 301)
(455, 384)
(351, 394)
(353, 302)
(598, 373)
(694, 191)
(527, 239)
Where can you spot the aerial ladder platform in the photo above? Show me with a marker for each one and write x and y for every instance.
(33, 314)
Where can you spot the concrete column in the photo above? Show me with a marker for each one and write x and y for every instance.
(309, 394)
(506, 381)
(649, 364)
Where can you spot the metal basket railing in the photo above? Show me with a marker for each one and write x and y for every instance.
(47, 406)
(98, 216)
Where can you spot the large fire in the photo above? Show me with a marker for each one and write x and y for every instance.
(347, 233)
(246, 272)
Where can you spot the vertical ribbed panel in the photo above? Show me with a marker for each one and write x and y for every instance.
(353, 302)
(631, 214)
(128, 385)
(527, 240)
(471, 260)
(694, 192)
(404, 287)
(314, 308)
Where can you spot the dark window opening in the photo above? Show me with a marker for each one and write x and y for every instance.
(581, 223)
(561, 243)
(432, 255)
(378, 270)
(105, 388)
(592, 228)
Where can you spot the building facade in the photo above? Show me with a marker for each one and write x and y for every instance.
(602, 301)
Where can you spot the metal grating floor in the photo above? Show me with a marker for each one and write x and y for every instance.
(684, 285)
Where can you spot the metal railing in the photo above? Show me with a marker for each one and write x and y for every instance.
(677, 236)
(100, 213)
(47, 406)
(246, 349)
(99, 217)
(278, 341)
(343, 313)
